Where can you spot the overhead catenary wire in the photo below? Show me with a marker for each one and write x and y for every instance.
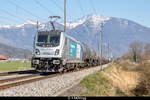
(42, 6)
(82, 10)
(92, 6)
(9, 19)
(12, 15)
(55, 3)
(101, 31)
(80, 6)
(95, 11)
(28, 12)
(58, 6)
(61, 9)
(76, 31)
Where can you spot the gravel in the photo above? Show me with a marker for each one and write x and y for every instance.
(49, 87)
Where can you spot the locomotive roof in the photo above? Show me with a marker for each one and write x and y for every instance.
(50, 30)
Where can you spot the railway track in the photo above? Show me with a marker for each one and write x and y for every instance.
(28, 79)
(16, 72)
(17, 78)
(16, 81)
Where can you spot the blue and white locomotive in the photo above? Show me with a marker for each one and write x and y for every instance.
(55, 51)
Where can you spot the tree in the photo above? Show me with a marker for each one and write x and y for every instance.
(127, 55)
(146, 53)
(136, 48)
(94, 54)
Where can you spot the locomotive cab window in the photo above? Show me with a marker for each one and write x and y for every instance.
(48, 38)
(42, 38)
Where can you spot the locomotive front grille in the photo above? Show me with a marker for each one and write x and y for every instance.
(47, 53)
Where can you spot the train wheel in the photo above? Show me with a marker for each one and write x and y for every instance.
(77, 67)
(60, 70)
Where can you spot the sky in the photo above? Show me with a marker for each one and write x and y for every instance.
(13, 12)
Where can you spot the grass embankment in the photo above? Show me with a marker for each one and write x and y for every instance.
(97, 84)
(119, 79)
(122, 78)
(14, 65)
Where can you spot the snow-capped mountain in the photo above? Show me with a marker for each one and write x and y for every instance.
(117, 31)
(94, 18)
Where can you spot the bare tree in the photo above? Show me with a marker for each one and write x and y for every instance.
(127, 55)
(146, 53)
(136, 48)
(94, 55)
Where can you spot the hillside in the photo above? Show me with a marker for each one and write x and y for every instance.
(14, 52)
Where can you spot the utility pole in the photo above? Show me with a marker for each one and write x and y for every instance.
(98, 43)
(65, 12)
(37, 26)
(108, 51)
(101, 39)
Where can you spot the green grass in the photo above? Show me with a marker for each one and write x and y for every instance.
(98, 85)
(14, 65)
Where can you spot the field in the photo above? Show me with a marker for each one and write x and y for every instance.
(14, 65)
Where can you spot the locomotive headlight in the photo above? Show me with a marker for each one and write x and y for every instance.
(37, 51)
(57, 52)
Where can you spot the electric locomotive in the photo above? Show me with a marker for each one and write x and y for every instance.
(55, 51)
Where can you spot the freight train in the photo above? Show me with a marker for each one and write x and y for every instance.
(55, 51)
